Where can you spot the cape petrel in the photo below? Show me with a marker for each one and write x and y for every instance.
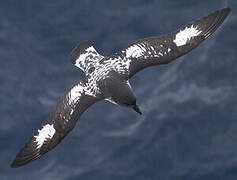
(108, 78)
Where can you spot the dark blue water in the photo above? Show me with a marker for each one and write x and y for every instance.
(189, 127)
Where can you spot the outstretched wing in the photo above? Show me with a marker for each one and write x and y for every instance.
(85, 56)
(61, 121)
(163, 49)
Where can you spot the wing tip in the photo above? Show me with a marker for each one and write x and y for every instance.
(227, 9)
(14, 164)
(220, 16)
(18, 162)
(22, 159)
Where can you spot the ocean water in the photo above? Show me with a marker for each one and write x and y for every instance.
(188, 129)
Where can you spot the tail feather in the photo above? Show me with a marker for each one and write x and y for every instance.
(84, 56)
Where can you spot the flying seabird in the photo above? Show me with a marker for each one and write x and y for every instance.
(107, 78)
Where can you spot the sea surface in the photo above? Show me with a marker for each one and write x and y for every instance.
(188, 130)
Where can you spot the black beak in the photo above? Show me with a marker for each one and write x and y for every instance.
(136, 108)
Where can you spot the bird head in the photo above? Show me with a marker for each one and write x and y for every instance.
(136, 108)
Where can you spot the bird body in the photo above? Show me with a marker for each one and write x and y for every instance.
(107, 78)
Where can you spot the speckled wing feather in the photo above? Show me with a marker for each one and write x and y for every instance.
(85, 56)
(165, 48)
(61, 121)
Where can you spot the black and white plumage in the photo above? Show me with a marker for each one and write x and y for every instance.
(108, 78)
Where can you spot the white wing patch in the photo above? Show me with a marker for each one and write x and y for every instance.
(75, 94)
(45, 133)
(186, 34)
(135, 51)
(77, 91)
